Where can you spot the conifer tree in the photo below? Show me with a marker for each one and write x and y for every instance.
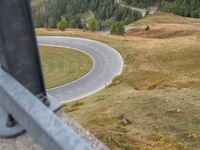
(62, 25)
(93, 25)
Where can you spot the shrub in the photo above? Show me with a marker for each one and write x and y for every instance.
(147, 28)
(116, 81)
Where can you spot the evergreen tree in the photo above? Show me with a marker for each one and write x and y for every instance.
(47, 13)
(117, 28)
(51, 22)
(62, 25)
(93, 25)
(72, 23)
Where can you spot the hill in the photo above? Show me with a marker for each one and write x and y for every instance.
(154, 104)
(164, 25)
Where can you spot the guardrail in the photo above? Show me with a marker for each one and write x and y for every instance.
(37, 119)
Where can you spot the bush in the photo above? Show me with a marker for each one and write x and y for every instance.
(147, 28)
(116, 81)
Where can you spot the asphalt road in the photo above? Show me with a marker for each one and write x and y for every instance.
(107, 63)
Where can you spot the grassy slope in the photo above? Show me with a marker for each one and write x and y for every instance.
(157, 92)
(63, 65)
(165, 25)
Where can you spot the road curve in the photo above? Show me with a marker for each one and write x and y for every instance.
(107, 63)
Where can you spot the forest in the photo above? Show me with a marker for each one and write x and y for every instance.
(104, 13)
(48, 13)
(186, 8)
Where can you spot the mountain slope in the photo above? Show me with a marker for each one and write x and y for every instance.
(47, 13)
(187, 8)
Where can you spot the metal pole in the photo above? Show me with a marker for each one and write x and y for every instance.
(20, 52)
(19, 56)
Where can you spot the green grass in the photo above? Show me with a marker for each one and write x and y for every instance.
(61, 65)
(158, 92)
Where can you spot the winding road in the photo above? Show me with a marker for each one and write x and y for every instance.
(107, 63)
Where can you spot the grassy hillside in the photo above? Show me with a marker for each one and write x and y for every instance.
(155, 103)
(164, 25)
(61, 65)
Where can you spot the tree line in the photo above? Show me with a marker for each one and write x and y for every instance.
(141, 3)
(186, 8)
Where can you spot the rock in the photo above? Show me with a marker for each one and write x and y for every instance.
(125, 122)
(109, 138)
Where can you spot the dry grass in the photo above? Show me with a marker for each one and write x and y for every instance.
(157, 92)
(163, 26)
(164, 18)
(63, 65)
(154, 123)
